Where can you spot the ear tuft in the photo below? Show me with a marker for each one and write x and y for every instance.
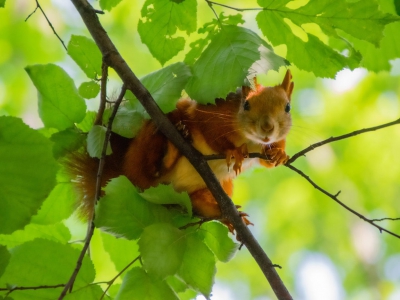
(287, 83)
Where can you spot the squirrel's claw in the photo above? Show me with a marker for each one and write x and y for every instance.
(277, 155)
(239, 154)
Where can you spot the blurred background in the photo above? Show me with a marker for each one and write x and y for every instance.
(325, 251)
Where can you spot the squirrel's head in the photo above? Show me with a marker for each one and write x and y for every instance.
(264, 114)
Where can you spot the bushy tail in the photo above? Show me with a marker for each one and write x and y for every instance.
(83, 170)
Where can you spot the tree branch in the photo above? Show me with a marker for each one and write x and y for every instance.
(334, 197)
(340, 137)
(22, 288)
(91, 226)
(48, 22)
(229, 211)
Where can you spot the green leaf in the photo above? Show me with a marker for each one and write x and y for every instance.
(27, 173)
(165, 194)
(109, 4)
(86, 293)
(66, 141)
(95, 141)
(86, 54)
(87, 122)
(123, 212)
(2, 3)
(162, 246)
(360, 19)
(198, 265)
(210, 29)
(138, 285)
(60, 105)
(217, 238)
(233, 54)
(158, 29)
(89, 90)
(41, 262)
(165, 85)
(55, 232)
(127, 122)
(4, 259)
(58, 206)
(115, 246)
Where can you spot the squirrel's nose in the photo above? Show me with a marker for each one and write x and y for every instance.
(267, 126)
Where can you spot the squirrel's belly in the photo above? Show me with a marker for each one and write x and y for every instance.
(184, 176)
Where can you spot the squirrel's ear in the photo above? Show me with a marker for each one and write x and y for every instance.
(287, 83)
(247, 89)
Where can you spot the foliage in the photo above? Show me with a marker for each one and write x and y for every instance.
(37, 199)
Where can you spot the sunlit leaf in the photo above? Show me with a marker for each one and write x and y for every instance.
(27, 173)
(158, 29)
(233, 54)
(86, 54)
(360, 19)
(109, 4)
(60, 105)
(89, 90)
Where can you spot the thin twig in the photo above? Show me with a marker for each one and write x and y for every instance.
(110, 283)
(48, 22)
(91, 227)
(385, 219)
(22, 288)
(210, 3)
(103, 94)
(338, 138)
(334, 197)
(116, 61)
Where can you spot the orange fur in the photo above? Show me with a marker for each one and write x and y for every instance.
(230, 127)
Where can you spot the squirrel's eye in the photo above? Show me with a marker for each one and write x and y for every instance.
(287, 107)
(246, 105)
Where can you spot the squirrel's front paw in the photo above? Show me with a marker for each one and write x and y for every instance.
(239, 154)
(277, 156)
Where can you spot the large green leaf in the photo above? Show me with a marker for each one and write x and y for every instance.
(233, 54)
(162, 246)
(2, 3)
(123, 212)
(198, 265)
(4, 259)
(161, 20)
(109, 4)
(165, 85)
(86, 54)
(360, 19)
(87, 293)
(138, 285)
(67, 141)
(217, 238)
(127, 122)
(60, 105)
(55, 232)
(27, 173)
(165, 194)
(41, 262)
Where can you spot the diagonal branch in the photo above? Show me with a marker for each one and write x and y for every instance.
(340, 137)
(229, 211)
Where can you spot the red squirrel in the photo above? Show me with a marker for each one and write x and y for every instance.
(250, 120)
